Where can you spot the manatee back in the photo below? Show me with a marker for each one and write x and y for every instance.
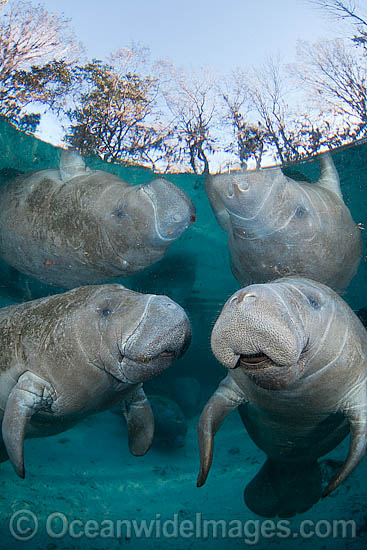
(48, 227)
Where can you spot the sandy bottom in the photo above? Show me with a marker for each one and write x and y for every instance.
(88, 475)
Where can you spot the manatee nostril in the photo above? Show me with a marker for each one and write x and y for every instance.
(244, 296)
(301, 212)
(230, 190)
(169, 305)
(313, 301)
(242, 186)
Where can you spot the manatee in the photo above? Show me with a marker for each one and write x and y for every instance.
(76, 226)
(170, 425)
(296, 359)
(279, 227)
(74, 354)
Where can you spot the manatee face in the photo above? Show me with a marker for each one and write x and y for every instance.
(140, 218)
(261, 336)
(126, 228)
(131, 336)
(246, 193)
(265, 206)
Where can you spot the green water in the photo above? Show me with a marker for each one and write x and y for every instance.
(87, 475)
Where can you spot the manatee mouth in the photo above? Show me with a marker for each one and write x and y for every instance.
(166, 355)
(133, 370)
(146, 360)
(254, 361)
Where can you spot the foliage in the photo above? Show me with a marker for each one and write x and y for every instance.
(113, 114)
(48, 85)
(190, 100)
(336, 77)
(29, 35)
(249, 139)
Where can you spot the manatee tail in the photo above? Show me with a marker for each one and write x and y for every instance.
(284, 489)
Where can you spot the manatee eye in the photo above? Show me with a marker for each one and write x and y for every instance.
(119, 213)
(301, 212)
(106, 312)
(313, 301)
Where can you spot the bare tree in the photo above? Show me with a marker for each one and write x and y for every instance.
(36, 49)
(336, 76)
(346, 10)
(29, 35)
(191, 101)
(271, 95)
(249, 138)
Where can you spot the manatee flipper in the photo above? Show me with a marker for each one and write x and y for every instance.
(30, 395)
(357, 416)
(71, 165)
(284, 488)
(140, 422)
(329, 178)
(224, 400)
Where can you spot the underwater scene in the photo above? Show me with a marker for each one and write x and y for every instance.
(87, 473)
(183, 304)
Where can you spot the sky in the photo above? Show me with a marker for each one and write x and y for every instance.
(219, 34)
(222, 34)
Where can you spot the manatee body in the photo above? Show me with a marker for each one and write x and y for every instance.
(70, 355)
(297, 370)
(279, 227)
(76, 226)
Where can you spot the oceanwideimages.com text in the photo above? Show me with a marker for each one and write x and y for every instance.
(25, 525)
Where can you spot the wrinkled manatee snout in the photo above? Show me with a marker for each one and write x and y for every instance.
(164, 333)
(67, 356)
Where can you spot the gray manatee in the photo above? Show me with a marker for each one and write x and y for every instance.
(76, 226)
(70, 355)
(278, 226)
(297, 370)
